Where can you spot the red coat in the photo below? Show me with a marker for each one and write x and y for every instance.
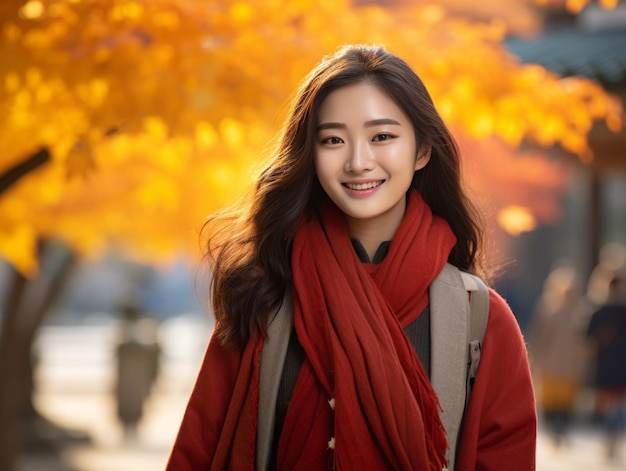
(499, 431)
(500, 424)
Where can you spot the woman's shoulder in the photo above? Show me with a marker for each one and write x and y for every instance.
(501, 316)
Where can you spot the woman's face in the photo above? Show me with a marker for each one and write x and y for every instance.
(366, 154)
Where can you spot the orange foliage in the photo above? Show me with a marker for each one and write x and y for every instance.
(519, 16)
(501, 176)
(156, 111)
(576, 6)
(516, 190)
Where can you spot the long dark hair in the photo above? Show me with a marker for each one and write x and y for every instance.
(250, 250)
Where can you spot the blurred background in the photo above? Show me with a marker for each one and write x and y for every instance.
(123, 123)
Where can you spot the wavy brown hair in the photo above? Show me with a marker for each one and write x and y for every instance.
(249, 249)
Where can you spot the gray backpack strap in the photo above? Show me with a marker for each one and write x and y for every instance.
(449, 324)
(272, 361)
(479, 307)
(451, 343)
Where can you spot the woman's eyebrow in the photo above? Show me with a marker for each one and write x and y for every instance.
(378, 122)
(331, 125)
(367, 124)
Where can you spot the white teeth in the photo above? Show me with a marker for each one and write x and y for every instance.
(364, 186)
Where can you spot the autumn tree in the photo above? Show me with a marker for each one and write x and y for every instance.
(124, 122)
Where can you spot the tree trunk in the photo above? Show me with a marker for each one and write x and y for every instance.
(10, 343)
(8, 371)
(27, 304)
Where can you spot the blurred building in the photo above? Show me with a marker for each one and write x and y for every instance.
(591, 44)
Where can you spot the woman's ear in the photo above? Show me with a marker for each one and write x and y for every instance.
(423, 156)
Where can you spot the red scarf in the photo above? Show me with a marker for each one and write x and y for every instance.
(349, 319)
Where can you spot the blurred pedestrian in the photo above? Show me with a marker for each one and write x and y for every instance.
(138, 354)
(559, 349)
(607, 330)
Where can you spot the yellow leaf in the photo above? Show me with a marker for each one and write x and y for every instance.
(126, 11)
(614, 122)
(80, 162)
(98, 90)
(167, 20)
(206, 137)
(232, 132)
(32, 10)
(163, 54)
(19, 246)
(241, 12)
(33, 77)
(159, 193)
(12, 32)
(610, 4)
(12, 82)
(155, 127)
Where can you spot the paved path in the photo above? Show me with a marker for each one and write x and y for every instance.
(76, 375)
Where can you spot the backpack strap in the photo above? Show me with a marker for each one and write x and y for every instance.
(455, 352)
(479, 308)
(271, 369)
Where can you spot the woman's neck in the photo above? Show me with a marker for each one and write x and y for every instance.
(371, 232)
(371, 236)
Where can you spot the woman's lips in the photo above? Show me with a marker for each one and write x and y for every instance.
(363, 186)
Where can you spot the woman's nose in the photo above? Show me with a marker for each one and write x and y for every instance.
(360, 158)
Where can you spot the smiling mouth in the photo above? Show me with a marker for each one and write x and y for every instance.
(363, 186)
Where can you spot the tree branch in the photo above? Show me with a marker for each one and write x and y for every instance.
(15, 173)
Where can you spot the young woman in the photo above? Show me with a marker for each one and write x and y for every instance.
(356, 215)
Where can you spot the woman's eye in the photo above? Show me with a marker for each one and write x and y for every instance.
(332, 140)
(382, 137)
